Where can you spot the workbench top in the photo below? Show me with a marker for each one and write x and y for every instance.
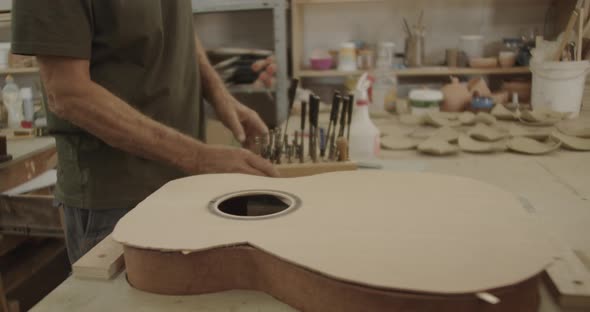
(555, 188)
(22, 148)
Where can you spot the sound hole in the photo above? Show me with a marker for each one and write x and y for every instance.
(255, 205)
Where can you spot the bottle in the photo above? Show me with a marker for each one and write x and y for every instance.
(384, 93)
(365, 142)
(347, 57)
(13, 103)
(28, 109)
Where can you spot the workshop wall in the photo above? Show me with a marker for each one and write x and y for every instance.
(248, 29)
(327, 25)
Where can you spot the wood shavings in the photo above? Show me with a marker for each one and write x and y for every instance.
(501, 112)
(532, 147)
(487, 133)
(467, 144)
(572, 142)
(398, 143)
(467, 118)
(485, 118)
(437, 147)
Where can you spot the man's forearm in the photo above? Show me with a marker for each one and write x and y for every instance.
(96, 110)
(214, 89)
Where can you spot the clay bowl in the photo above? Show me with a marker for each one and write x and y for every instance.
(483, 62)
(321, 63)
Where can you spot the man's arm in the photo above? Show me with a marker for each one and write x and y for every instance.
(241, 120)
(72, 95)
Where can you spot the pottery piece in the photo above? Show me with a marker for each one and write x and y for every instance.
(467, 118)
(436, 120)
(507, 59)
(533, 147)
(483, 132)
(501, 112)
(398, 143)
(486, 118)
(539, 118)
(467, 144)
(533, 133)
(456, 96)
(437, 147)
(501, 97)
(447, 134)
(576, 127)
(480, 86)
(572, 142)
(483, 62)
(412, 120)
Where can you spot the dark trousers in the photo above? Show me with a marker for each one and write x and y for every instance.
(84, 228)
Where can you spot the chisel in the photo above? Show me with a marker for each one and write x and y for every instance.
(343, 116)
(333, 117)
(291, 97)
(302, 144)
(349, 113)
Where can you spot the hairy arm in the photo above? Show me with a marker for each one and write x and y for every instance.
(241, 120)
(73, 96)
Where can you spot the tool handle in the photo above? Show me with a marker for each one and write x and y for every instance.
(335, 109)
(311, 109)
(292, 92)
(343, 113)
(322, 140)
(303, 115)
(335, 101)
(316, 110)
(350, 108)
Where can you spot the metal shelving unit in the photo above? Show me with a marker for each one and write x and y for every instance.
(279, 9)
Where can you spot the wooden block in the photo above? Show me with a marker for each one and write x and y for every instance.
(308, 169)
(569, 281)
(102, 262)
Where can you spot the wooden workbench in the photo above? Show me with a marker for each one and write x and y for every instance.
(555, 188)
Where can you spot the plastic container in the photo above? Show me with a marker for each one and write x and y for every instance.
(559, 85)
(424, 100)
(365, 138)
(347, 57)
(384, 91)
(472, 46)
(28, 109)
(13, 103)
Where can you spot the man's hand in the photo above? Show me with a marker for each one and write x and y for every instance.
(243, 122)
(221, 159)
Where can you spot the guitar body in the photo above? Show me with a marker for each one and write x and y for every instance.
(348, 241)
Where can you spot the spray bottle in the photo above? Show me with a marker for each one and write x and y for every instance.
(13, 103)
(364, 137)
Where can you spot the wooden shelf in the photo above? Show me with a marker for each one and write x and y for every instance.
(334, 1)
(15, 71)
(423, 72)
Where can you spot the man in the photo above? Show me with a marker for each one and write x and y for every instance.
(123, 82)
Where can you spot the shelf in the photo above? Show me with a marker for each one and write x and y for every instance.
(334, 1)
(423, 72)
(15, 71)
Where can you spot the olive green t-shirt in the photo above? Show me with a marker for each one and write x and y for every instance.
(143, 51)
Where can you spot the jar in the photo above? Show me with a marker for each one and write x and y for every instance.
(347, 57)
(423, 101)
(385, 54)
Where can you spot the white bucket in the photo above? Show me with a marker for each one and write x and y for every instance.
(559, 85)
